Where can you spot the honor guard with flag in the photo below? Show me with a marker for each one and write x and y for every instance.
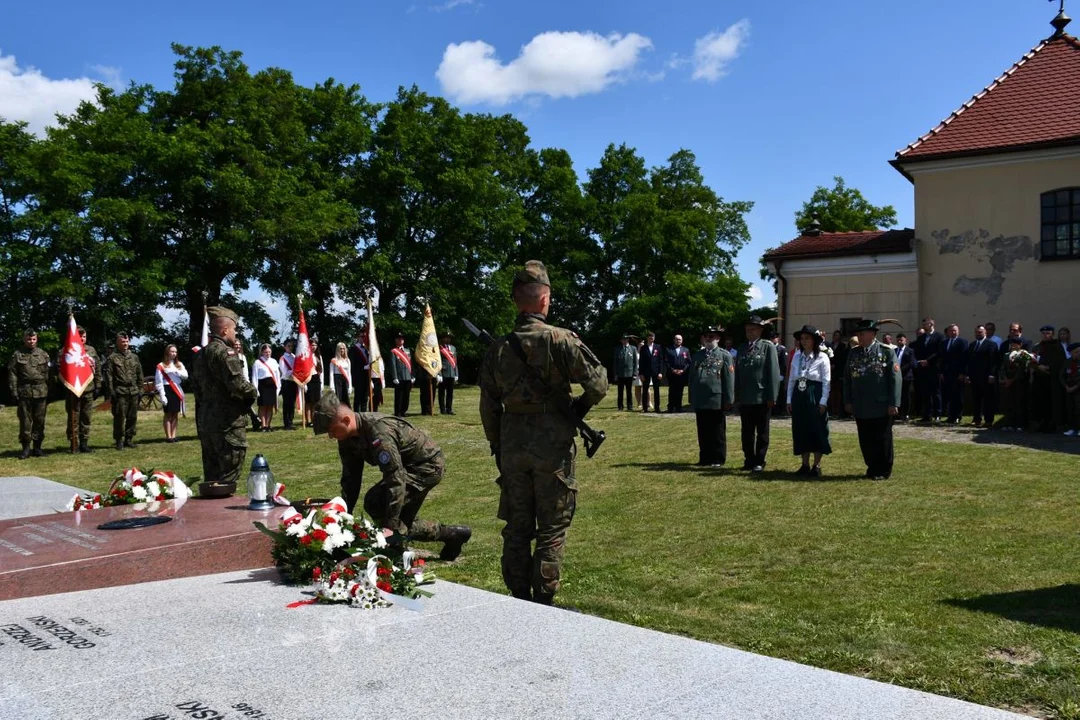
(124, 376)
(449, 375)
(28, 382)
(872, 384)
(79, 370)
(225, 399)
(304, 362)
(411, 465)
(401, 375)
(429, 359)
(530, 422)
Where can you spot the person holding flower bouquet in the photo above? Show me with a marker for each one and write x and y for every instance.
(1015, 377)
(411, 465)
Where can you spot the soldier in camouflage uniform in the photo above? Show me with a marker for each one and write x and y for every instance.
(125, 381)
(83, 405)
(531, 438)
(28, 381)
(411, 465)
(225, 398)
(872, 384)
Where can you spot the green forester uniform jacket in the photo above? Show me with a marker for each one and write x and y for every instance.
(712, 379)
(757, 373)
(872, 381)
(625, 362)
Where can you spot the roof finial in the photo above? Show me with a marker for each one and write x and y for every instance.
(1060, 21)
(814, 228)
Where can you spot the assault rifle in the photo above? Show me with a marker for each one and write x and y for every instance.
(571, 409)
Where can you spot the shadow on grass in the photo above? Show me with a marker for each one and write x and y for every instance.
(736, 470)
(790, 476)
(1054, 442)
(677, 467)
(1054, 607)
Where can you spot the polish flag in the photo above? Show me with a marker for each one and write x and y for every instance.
(305, 362)
(76, 367)
(205, 332)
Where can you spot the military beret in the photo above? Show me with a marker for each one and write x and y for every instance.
(221, 311)
(533, 272)
(1046, 328)
(325, 410)
(1073, 346)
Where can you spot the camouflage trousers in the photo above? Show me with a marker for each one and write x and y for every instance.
(32, 420)
(125, 413)
(223, 455)
(420, 481)
(82, 406)
(538, 499)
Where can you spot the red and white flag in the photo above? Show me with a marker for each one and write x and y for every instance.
(305, 361)
(205, 332)
(76, 367)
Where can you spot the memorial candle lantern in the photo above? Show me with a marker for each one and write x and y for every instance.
(260, 484)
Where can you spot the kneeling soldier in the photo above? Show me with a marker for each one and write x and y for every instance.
(411, 464)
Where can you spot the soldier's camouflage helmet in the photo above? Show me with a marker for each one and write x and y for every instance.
(325, 410)
(533, 272)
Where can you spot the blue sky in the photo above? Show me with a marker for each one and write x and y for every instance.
(774, 97)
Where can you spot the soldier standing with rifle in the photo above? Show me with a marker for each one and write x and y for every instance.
(225, 400)
(530, 421)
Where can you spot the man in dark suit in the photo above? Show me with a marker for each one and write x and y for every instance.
(677, 366)
(953, 372)
(982, 369)
(927, 349)
(651, 368)
(780, 408)
(906, 358)
(358, 368)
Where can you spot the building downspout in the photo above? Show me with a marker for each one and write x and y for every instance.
(781, 289)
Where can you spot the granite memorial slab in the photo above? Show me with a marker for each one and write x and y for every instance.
(65, 552)
(29, 496)
(227, 646)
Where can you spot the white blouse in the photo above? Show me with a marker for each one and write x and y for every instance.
(815, 369)
(264, 368)
(342, 368)
(175, 371)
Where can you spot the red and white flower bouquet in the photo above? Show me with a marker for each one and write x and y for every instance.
(132, 486)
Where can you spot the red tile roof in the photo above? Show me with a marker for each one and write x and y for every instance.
(1035, 103)
(867, 242)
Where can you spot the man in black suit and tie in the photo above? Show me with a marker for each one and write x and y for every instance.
(651, 369)
(906, 358)
(954, 372)
(358, 368)
(982, 369)
(927, 350)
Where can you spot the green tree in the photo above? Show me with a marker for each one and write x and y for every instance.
(843, 209)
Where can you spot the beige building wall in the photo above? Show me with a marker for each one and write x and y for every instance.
(825, 300)
(977, 230)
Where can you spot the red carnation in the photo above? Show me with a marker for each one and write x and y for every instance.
(329, 519)
(333, 577)
(384, 586)
(159, 498)
(382, 572)
(418, 561)
(306, 540)
(354, 589)
(316, 574)
(137, 483)
(319, 534)
(363, 536)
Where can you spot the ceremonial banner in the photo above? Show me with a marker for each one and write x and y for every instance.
(205, 340)
(376, 360)
(305, 361)
(427, 350)
(76, 367)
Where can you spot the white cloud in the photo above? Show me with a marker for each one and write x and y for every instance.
(715, 51)
(754, 293)
(552, 64)
(27, 94)
(451, 4)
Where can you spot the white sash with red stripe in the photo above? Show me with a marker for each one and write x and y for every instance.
(273, 375)
(168, 378)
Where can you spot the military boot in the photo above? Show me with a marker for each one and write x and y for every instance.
(84, 446)
(453, 537)
(25, 451)
(119, 444)
(129, 443)
(37, 449)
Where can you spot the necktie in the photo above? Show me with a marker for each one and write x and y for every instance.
(978, 344)
(948, 345)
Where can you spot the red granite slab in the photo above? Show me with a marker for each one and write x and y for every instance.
(64, 552)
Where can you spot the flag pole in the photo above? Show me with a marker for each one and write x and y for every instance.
(74, 402)
(371, 361)
(302, 389)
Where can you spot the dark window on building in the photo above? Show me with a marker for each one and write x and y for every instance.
(1060, 236)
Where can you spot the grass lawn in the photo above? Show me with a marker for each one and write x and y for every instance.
(959, 576)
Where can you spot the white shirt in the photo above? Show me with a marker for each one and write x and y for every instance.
(342, 368)
(814, 369)
(243, 359)
(286, 365)
(264, 368)
(176, 372)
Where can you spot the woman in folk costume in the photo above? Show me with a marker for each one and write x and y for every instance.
(314, 385)
(168, 375)
(341, 369)
(266, 377)
(808, 391)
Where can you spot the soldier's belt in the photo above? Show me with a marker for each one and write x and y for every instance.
(535, 409)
